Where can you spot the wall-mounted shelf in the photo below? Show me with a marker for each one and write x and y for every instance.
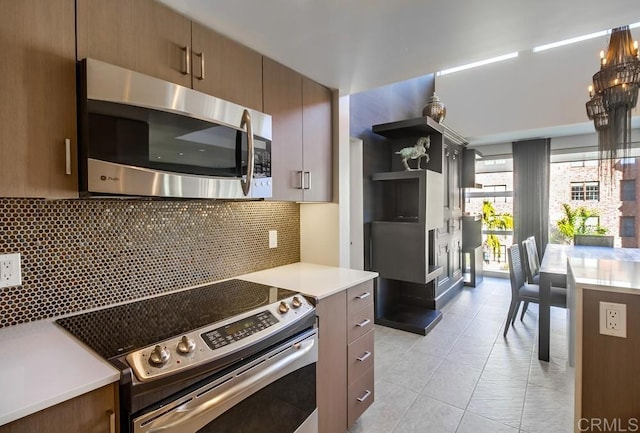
(411, 127)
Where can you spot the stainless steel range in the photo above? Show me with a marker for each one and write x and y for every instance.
(234, 356)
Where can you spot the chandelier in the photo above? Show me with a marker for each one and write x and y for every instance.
(614, 94)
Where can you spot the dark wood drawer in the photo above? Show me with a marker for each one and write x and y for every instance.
(360, 357)
(360, 397)
(360, 296)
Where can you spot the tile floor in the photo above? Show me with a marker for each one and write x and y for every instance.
(464, 377)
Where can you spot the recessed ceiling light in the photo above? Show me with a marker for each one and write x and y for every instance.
(577, 39)
(480, 63)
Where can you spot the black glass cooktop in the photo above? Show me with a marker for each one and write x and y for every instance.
(118, 330)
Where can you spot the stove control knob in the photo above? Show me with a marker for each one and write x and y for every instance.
(159, 356)
(283, 307)
(296, 303)
(186, 345)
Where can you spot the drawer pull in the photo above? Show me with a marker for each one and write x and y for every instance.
(364, 323)
(364, 295)
(366, 395)
(112, 421)
(364, 356)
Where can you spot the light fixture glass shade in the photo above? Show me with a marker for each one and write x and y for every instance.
(614, 95)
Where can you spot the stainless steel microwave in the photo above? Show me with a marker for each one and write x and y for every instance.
(142, 136)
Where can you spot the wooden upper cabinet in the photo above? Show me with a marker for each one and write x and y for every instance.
(316, 139)
(142, 35)
(302, 135)
(231, 71)
(283, 100)
(38, 105)
(148, 37)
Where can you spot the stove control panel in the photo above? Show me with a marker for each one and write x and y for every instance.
(238, 330)
(216, 340)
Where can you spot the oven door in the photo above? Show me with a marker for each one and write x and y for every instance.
(274, 393)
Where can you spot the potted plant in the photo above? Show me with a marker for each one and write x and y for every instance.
(573, 227)
(491, 220)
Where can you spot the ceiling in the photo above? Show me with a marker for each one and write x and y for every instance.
(356, 45)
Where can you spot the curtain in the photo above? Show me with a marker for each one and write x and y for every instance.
(531, 159)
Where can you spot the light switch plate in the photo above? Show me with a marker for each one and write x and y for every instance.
(10, 274)
(613, 319)
(273, 238)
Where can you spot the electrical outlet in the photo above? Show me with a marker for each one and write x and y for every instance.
(273, 238)
(613, 319)
(10, 274)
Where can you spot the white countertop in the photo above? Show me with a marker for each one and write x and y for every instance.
(606, 274)
(318, 281)
(41, 365)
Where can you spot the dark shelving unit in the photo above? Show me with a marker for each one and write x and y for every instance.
(408, 212)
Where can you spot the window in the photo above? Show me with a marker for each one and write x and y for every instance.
(495, 191)
(628, 190)
(585, 191)
(587, 163)
(592, 222)
(628, 226)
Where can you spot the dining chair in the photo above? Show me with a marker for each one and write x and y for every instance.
(531, 260)
(531, 265)
(522, 291)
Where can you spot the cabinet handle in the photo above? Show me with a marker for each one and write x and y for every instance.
(301, 174)
(364, 323)
(112, 421)
(187, 60)
(366, 395)
(201, 55)
(364, 295)
(67, 156)
(307, 174)
(364, 356)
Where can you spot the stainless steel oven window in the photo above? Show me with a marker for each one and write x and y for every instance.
(274, 393)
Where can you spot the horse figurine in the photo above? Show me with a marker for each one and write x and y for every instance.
(419, 150)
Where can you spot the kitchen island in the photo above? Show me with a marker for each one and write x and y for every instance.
(607, 387)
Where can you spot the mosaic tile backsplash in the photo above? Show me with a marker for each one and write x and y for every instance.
(83, 254)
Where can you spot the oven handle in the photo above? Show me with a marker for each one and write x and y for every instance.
(195, 414)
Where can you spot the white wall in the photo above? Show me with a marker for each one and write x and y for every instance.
(535, 95)
(356, 217)
(324, 227)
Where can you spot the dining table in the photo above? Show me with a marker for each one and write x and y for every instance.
(553, 272)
